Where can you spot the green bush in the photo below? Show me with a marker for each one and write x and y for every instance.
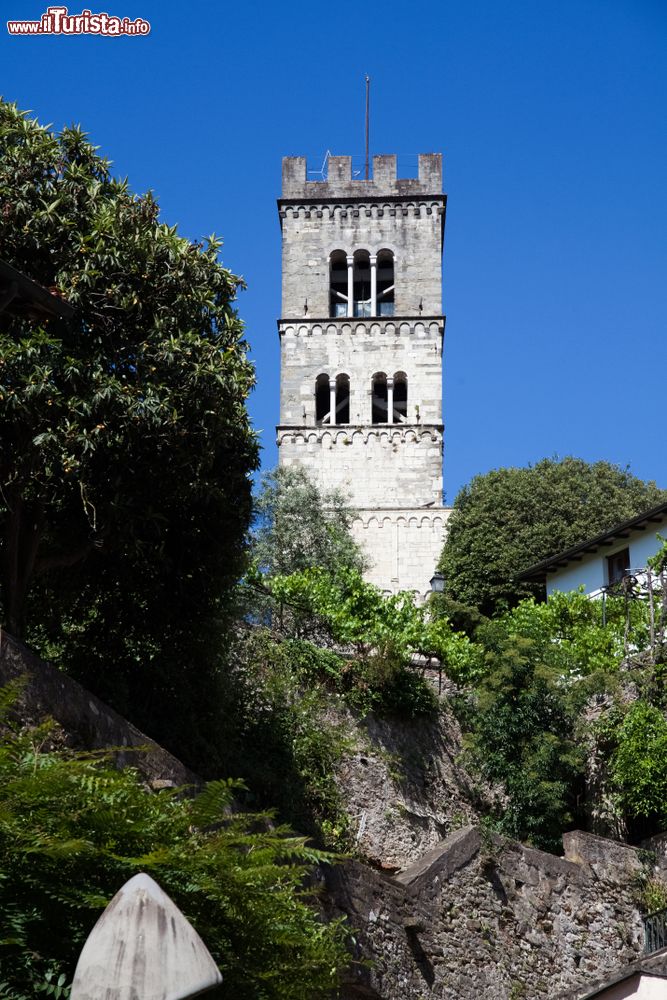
(507, 520)
(73, 830)
(639, 763)
(277, 734)
(523, 736)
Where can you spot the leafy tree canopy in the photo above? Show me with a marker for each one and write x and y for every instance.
(299, 527)
(509, 519)
(237, 878)
(125, 445)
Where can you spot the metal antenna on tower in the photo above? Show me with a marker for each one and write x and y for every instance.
(368, 106)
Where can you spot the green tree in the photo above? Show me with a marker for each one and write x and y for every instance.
(509, 519)
(523, 736)
(73, 830)
(639, 764)
(299, 527)
(125, 445)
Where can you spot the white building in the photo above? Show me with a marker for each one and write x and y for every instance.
(361, 338)
(605, 559)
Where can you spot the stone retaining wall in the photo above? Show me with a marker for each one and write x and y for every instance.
(87, 720)
(483, 918)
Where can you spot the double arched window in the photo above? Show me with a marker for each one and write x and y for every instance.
(361, 284)
(389, 398)
(332, 399)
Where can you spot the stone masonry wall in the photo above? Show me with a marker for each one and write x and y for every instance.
(403, 546)
(483, 918)
(85, 719)
(359, 349)
(398, 471)
(404, 786)
(372, 466)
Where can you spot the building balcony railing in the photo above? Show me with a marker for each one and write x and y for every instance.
(655, 931)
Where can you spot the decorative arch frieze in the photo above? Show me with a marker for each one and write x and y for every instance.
(375, 210)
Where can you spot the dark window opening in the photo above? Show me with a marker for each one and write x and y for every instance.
(618, 565)
(338, 284)
(400, 397)
(342, 399)
(379, 398)
(385, 283)
(362, 284)
(322, 399)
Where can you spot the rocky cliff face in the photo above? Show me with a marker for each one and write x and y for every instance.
(405, 788)
(440, 909)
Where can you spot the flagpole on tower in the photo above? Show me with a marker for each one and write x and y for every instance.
(368, 106)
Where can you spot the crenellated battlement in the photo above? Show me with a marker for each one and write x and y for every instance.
(341, 184)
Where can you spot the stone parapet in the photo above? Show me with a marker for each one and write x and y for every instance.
(340, 183)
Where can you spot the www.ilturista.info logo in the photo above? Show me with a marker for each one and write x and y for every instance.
(58, 21)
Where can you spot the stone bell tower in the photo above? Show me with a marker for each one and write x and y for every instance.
(361, 339)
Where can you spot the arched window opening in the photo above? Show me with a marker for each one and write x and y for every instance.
(338, 284)
(379, 398)
(385, 283)
(322, 400)
(342, 399)
(400, 397)
(362, 283)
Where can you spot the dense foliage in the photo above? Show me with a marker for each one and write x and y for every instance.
(639, 763)
(298, 527)
(507, 520)
(381, 634)
(333, 639)
(125, 446)
(278, 733)
(73, 830)
(523, 736)
(527, 682)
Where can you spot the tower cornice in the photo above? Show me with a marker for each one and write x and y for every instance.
(355, 320)
(372, 199)
(371, 206)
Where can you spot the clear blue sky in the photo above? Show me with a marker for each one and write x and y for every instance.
(552, 120)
